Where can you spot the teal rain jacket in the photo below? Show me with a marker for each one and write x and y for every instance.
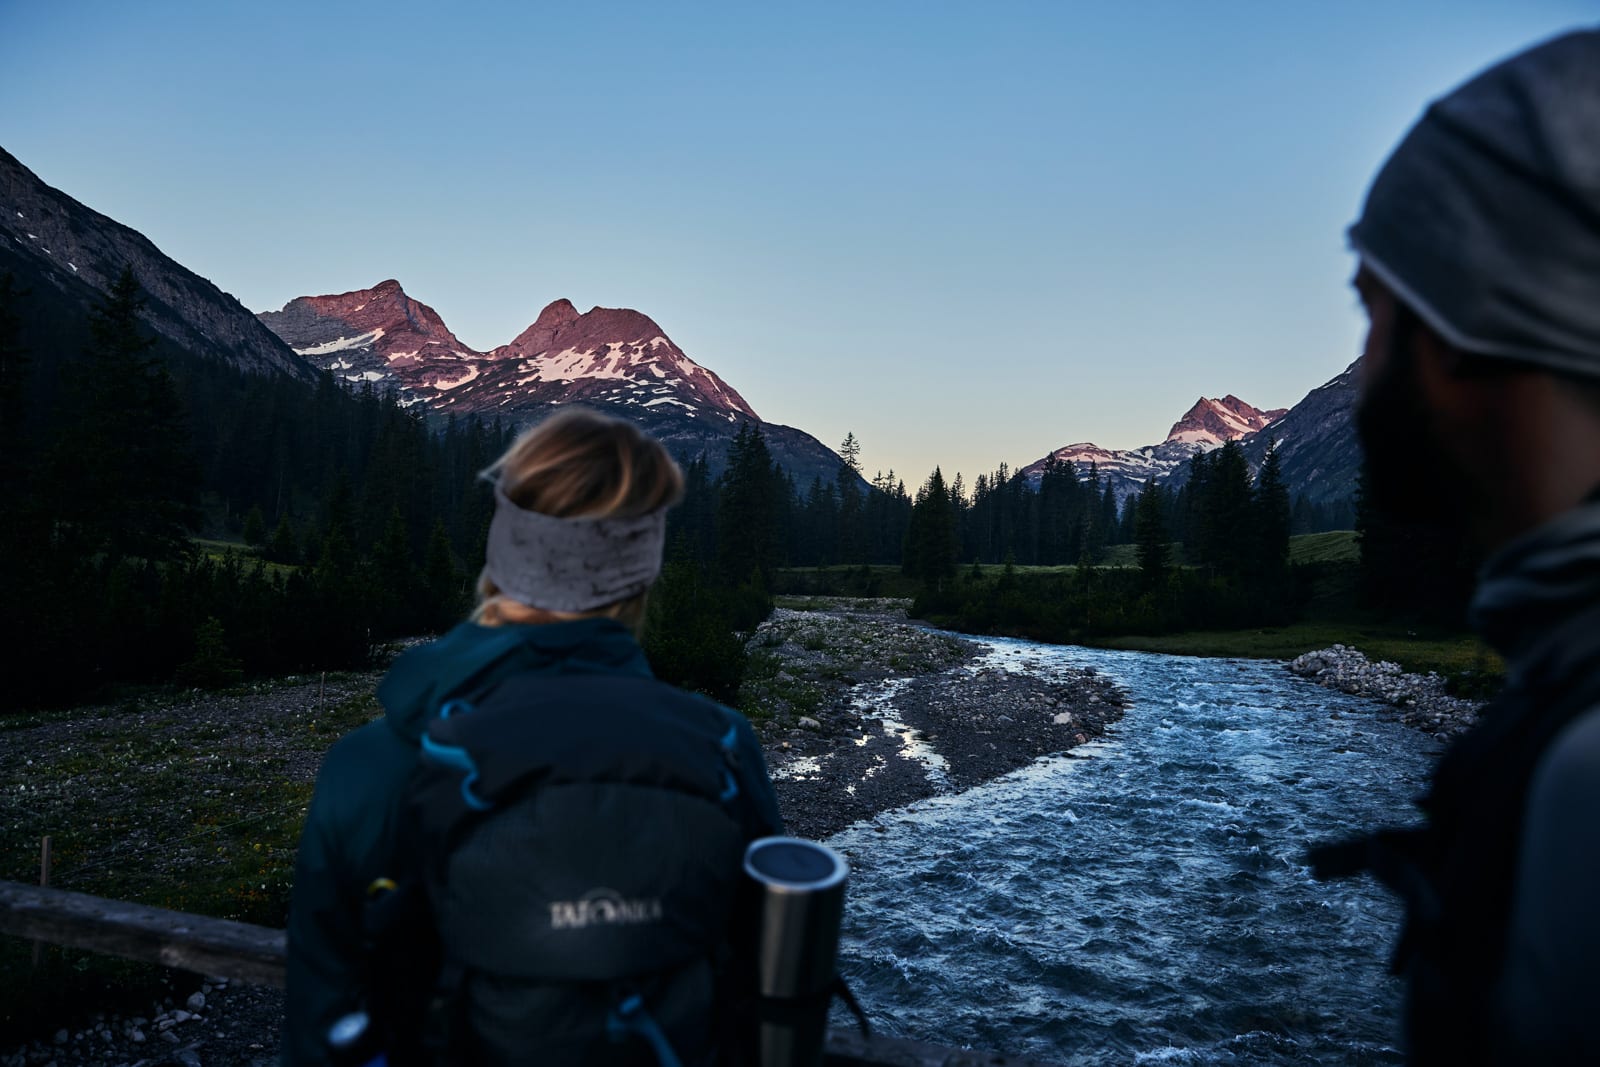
(349, 833)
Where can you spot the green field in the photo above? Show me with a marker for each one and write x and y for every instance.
(1335, 546)
(220, 551)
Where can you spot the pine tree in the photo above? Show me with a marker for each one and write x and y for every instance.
(850, 452)
(749, 511)
(122, 471)
(212, 666)
(443, 593)
(282, 548)
(1151, 535)
(1272, 517)
(851, 537)
(255, 527)
(1108, 514)
(931, 545)
(1222, 520)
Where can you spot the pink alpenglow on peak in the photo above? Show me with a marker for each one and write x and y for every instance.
(1212, 422)
(604, 356)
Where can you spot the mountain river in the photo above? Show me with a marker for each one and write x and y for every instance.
(1144, 900)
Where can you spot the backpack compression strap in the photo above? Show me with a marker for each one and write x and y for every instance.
(629, 1018)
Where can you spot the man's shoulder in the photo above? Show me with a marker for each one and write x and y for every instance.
(1569, 771)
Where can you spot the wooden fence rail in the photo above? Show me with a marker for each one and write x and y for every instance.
(255, 954)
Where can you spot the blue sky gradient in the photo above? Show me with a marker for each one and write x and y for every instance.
(967, 233)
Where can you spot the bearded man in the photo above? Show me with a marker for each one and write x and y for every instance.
(1479, 248)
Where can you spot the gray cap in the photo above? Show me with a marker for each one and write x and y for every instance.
(1486, 219)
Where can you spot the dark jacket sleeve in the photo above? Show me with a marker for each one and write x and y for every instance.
(762, 818)
(1546, 996)
(346, 843)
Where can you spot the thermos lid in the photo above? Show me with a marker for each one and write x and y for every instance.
(793, 863)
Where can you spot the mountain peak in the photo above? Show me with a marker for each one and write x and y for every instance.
(605, 355)
(560, 327)
(1211, 421)
(556, 314)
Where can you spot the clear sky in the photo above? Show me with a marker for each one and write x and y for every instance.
(969, 233)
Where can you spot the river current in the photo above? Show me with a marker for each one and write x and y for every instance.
(1144, 899)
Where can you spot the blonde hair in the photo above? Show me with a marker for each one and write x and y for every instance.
(579, 463)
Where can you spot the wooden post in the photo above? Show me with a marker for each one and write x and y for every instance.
(319, 691)
(44, 883)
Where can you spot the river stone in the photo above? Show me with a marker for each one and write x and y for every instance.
(196, 1001)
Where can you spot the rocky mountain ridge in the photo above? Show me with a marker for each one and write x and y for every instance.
(605, 357)
(1208, 424)
(1315, 439)
(52, 242)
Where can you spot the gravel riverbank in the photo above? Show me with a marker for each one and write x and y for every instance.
(1421, 701)
(894, 713)
(860, 711)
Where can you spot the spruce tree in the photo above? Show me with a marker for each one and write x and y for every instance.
(123, 475)
(931, 546)
(255, 527)
(1151, 536)
(850, 452)
(749, 511)
(1272, 517)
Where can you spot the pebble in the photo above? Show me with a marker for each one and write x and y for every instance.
(196, 1002)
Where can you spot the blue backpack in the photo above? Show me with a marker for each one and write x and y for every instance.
(571, 885)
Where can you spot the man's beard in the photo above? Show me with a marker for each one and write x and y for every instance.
(1409, 478)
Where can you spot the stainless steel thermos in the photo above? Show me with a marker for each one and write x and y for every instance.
(801, 885)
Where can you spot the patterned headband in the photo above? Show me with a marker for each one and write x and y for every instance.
(571, 564)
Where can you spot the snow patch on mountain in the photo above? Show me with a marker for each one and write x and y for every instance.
(340, 344)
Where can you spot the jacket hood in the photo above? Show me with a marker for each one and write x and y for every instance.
(1537, 596)
(472, 657)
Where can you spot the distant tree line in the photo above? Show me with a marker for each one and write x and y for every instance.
(1213, 554)
(366, 523)
(119, 449)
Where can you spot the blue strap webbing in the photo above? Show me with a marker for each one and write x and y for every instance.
(629, 1017)
(457, 758)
